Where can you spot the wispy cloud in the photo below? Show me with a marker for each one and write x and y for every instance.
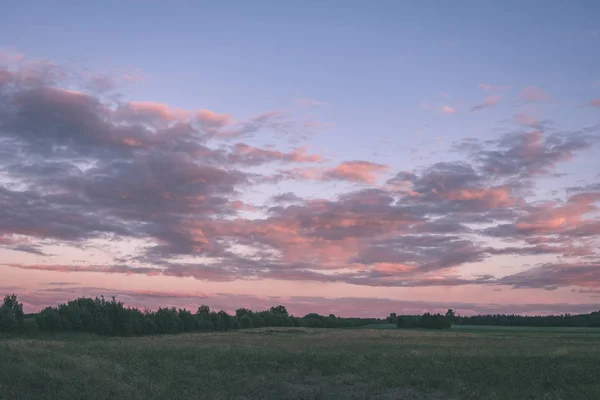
(594, 103)
(534, 94)
(489, 101)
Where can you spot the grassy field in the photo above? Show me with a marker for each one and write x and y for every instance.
(281, 363)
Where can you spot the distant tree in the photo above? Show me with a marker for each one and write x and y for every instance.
(188, 320)
(257, 320)
(240, 312)
(203, 311)
(12, 317)
(280, 310)
(227, 320)
(49, 320)
(392, 318)
(246, 321)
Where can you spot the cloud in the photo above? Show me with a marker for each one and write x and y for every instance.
(553, 275)
(526, 154)
(489, 101)
(356, 171)
(296, 305)
(7, 56)
(448, 110)
(249, 155)
(288, 197)
(152, 110)
(213, 119)
(490, 87)
(77, 169)
(533, 94)
(525, 119)
(594, 103)
(101, 83)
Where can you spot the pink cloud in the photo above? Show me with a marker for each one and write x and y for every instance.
(7, 56)
(533, 94)
(211, 118)
(5, 76)
(489, 101)
(552, 218)
(357, 171)
(448, 110)
(488, 197)
(156, 110)
(525, 119)
(246, 154)
(392, 268)
(594, 103)
(242, 206)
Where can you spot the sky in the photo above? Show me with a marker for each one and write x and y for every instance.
(337, 157)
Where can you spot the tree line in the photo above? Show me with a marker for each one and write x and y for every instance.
(112, 318)
(425, 321)
(439, 321)
(591, 320)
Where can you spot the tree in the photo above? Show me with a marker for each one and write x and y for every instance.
(280, 310)
(392, 318)
(246, 321)
(203, 311)
(12, 318)
(450, 315)
(240, 312)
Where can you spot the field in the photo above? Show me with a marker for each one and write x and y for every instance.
(294, 363)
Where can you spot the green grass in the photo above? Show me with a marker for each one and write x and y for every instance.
(279, 363)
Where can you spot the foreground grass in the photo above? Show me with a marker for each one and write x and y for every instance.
(304, 364)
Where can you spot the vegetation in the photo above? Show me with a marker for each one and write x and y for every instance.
(425, 321)
(591, 320)
(12, 318)
(277, 355)
(304, 363)
(112, 318)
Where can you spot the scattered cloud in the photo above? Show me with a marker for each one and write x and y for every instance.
(489, 101)
(8, 56)
(594, 103)
(356, 171)
(448, 110)
(533, 94)
(77, 168)
(490, 87)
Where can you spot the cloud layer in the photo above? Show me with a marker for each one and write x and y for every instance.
(77, 167)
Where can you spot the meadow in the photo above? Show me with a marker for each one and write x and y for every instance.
(306, 363)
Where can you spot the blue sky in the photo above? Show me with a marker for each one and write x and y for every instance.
(392, 83)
